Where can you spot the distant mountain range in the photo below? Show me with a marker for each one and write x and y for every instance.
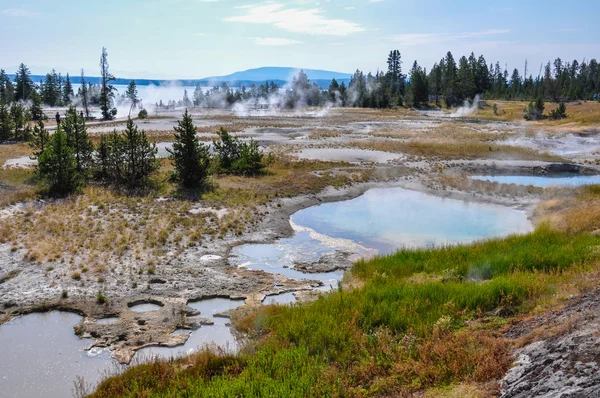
(278, 75)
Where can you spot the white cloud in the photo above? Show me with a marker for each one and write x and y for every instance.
(415, 39)
(296, 20)
(18, 12)
(273, 41)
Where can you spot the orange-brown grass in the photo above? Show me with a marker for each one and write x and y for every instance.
(580, 113)
(450, 149)
(321, 133)
(465, 183)
(574, 213)
(16, 184)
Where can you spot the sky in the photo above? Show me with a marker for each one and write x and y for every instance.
(170, 39)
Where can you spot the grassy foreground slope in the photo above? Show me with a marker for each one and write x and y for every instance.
(414, 321)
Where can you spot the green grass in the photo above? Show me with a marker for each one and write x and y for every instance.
(403, 330)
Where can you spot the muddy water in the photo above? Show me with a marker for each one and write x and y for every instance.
(40, 356)
(546, 181)
(381, 220)
(350, 155)
(146, 307)
(280, 299)
(218, 334)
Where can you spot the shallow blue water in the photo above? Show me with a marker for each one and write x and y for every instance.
(281, 256)
(551, 180)
(390, 218)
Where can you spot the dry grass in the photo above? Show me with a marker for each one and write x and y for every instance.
(467, 184)
(580, 113)
(450, 140)
(573, 213)
(16, 184)
(102, 226)
(14, 150)
(321, 133)
(442, 148)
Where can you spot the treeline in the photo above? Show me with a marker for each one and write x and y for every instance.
(449, 82)
(22, 99)
(452, 82)
(68, 160)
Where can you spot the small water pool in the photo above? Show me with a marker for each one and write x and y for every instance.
(281, 299)
(108, 321)
(144, 307)
(386, 219)
(545, 181)
(40, 356)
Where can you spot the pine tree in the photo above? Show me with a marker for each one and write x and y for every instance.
(79, 140)
(6, 123)
(465, 81)
(110, 158)
(449, 72)
(24, 84)
(186, 99)
(139, 156)
(107, 91)
(67, 92)
(435, 83)
(198, 96)
(190, 158)
(419, 88)
(334, 91)
(7, 90)
(227, 149)
(39, 139)
(20, 117)
(37, 113)
(395, 76)
(84, 94)
(51, 94)
(57, 166)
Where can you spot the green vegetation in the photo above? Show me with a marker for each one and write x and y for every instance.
(57, 166)
(107, 90)
(237, 157)
(101, 299)
(534, 111)
(560, 112)
(191, 159)
(403, 330)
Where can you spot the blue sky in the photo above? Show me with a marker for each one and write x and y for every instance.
(200, 38)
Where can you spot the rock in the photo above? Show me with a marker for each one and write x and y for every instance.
(338, 260)
(194, 323)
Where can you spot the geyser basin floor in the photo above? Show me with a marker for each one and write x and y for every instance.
(41, 357)
(383, 219)
(546, 181)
